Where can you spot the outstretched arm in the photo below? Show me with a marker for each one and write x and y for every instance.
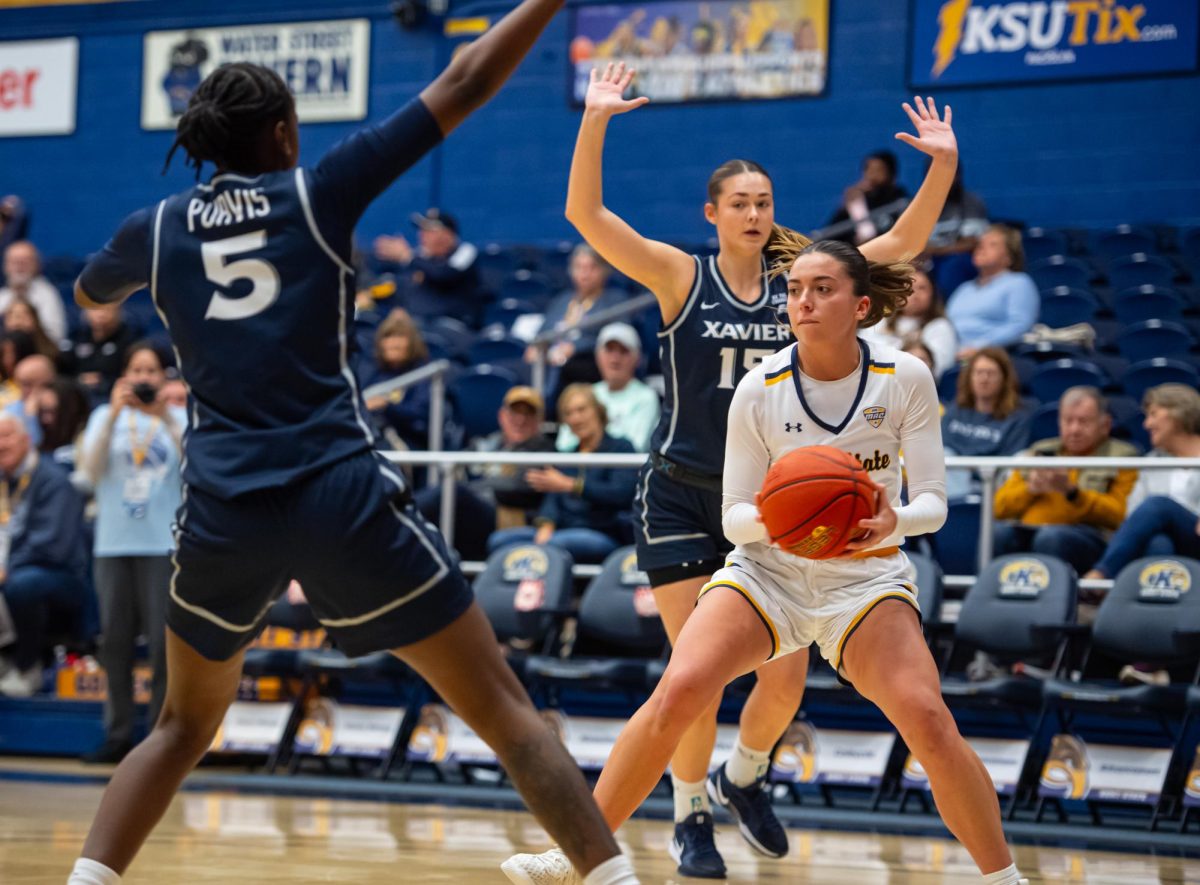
(910, 233)
(478, 72)
(663, 269)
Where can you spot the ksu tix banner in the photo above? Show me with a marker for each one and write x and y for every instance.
(967, 42)
(699, 51)
(323, 63)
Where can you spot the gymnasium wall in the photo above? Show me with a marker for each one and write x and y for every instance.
(1081, 154)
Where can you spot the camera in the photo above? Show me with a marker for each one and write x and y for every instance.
(147, 393)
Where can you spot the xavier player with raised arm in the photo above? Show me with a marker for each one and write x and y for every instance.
(718, 321)
(250, 273)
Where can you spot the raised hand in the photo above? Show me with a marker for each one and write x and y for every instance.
(607, 88)
(934, 136)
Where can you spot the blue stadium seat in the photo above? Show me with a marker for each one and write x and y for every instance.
(477, 394)
(525, 590)
(495, 346)
(525, 285)
(1024, 366)
(1020, 609)
(555, 265)
(495, 262)
(457, 335)
(1124, 239)
(1042, 352)
(1051, 379)
(1148, 302)
(1060, 270)
(1064, 306)
(1151, 373)
(1044, 424)
(956, 543)
(947, 385)
(619, 634)
(1150, 617)
(1154, 338)
(1140, 270)
(505, 311)
(1040, 243)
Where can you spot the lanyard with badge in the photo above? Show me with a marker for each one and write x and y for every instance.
(9, 501)
(136, 491)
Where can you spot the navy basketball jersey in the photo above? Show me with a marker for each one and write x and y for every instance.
(705, 352)
(253, 281)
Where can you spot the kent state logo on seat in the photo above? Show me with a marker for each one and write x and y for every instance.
(969, 41)
(1024, 579)
(644, 602)
(526, 563)
(796, 758)
(1065, 773)
(1164, 580)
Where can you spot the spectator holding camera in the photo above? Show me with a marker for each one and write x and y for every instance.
(131, 452)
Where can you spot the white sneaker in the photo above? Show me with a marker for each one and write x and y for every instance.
(548, 868)
(21, 684)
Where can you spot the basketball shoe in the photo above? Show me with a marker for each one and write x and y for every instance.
(548, 868)
(693, 847)
(751, 807)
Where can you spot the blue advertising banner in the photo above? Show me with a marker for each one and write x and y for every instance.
(699, 50)
(969, 42)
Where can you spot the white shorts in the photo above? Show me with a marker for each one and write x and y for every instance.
(802, 601)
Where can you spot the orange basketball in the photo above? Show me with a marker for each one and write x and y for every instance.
(812, 500)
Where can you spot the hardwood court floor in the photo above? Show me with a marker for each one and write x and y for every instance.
(210, 837)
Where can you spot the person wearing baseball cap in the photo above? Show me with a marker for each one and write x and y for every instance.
(498, 495)
(440, 276)
(632, 407)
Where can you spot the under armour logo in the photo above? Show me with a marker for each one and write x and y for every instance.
(789, 426)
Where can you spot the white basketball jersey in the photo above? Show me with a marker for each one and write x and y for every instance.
(889, 401)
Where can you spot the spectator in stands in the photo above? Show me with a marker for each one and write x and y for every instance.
(34, 376)
(41, 576)
(922, 319)
(962, 222)
(23, 281)
(497, 496)
(921, 352)
(1164, 507)
(632, 406)
(399, 349)
(1068, 513)
(571, 359)
(97, 348)
(63, 415)
(441, 274)
(986, 417)
(175, 392)
(583, 508)
(20, 316)
(876, 188)
(14, 221)
(131, 452)
(1001, 304)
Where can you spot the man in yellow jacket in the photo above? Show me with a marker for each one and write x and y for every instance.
(1067, 513)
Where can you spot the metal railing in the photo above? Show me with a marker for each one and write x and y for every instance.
(988, 468)
(542, 342)
(435, 373)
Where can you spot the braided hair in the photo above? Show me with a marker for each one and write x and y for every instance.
(228, 116)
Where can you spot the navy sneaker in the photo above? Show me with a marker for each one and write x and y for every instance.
(694, 850)
(751, 808)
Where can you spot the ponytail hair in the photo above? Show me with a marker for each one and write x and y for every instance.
(228, 115)
(887, 285)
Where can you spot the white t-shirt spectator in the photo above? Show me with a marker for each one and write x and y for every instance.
(45, 299)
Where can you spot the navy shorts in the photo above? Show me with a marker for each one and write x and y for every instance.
(375, 573)
(677, 525)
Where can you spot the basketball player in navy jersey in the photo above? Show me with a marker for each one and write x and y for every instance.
(250, 273)
(719, 319)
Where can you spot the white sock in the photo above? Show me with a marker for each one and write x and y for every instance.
(1006, 876)
(614, 871)
(92, 872)
(689, 798)
(745, 766)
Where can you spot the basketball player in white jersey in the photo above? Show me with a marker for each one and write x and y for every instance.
(831, 388)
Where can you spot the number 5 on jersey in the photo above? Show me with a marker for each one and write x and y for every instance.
(263, 276)
(751, 357)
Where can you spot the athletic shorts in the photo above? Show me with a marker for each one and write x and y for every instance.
(802, 601)
(676, 523)
(375, 573)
